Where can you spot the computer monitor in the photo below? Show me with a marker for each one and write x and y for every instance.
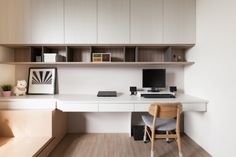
(154, 79)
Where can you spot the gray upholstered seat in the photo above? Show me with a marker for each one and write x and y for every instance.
(163, 124)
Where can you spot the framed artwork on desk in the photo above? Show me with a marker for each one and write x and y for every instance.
(42, 81)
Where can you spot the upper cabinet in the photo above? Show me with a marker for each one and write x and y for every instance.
(15, 22)
(146, 23)
(80, 21)
(190, 21)
(47, 21)
(98, 22)
(113, 21)
(179, 25)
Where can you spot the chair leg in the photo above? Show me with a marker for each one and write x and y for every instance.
(152, 142)
(152, 153)
(167, 139)
(145, 134)
(179, 145)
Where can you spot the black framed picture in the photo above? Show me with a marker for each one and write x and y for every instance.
(42, 80)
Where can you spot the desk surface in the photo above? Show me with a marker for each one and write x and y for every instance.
(74, 102)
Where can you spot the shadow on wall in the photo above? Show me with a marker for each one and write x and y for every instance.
(78, 122)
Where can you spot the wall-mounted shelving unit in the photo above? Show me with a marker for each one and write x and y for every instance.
(120, 55)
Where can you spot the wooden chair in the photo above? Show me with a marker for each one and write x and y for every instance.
(163, 117)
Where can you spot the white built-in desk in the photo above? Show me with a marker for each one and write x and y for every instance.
(28, 102)
(92, 103)
(123, 103)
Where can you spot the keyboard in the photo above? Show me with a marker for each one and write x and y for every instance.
(158, 95)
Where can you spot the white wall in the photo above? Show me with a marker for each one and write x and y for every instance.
(91, 79)
(7, 72)
(213, 77)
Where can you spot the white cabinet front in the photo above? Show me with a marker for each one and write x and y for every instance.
(15, 22)
(47, 21)
(80, 21)
(179, 22)
(113, 21)
(77, 107)
(146, 23)
(116, 107)
(141, 107)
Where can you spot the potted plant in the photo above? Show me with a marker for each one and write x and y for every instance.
(6, 90)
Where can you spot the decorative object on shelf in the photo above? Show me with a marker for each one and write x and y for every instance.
(38, 59)
(6, 90)
(97, 57)
(174, 55)
(101, 57)
(20, 88)
(42, 80)
(52, 57)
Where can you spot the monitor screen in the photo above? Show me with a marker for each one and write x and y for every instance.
(154, 78)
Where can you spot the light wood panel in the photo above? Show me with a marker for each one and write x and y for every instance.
(22, 146)
(22, 54)
(150, 55)
(59, 129)
(25, 123)
(120, 145)
(29, 132)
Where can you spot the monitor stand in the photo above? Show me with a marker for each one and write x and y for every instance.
(154, 90)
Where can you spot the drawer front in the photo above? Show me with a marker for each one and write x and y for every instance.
(116, 107)
(27, 105)
(77, 107)
(141, 107)
(201, 107)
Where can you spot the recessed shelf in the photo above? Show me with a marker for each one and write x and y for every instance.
(100, 63)
(173, 55)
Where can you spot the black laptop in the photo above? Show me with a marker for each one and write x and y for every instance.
(107, 94)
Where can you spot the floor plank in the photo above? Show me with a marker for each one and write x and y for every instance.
(120, 145)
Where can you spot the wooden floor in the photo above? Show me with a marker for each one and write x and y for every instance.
(120, 145)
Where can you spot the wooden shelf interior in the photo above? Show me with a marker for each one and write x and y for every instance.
(22, 146)
(79, 54)
(119, 54)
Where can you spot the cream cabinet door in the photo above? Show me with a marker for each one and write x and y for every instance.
(179, 21)
(80, 21)
(190, 21)
(15, 22)
(113, 21)
(47, 21)
(146, 21)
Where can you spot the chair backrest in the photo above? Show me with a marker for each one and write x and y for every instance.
(165, 110)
